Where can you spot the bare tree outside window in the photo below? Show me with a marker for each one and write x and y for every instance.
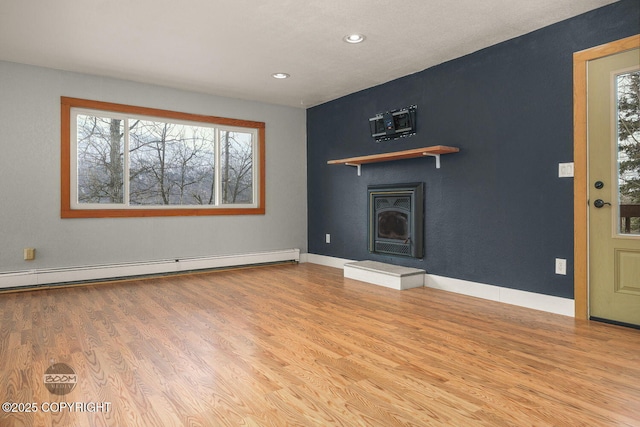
(100, 160)
(171, 164)
(237, 167)
(168, 163)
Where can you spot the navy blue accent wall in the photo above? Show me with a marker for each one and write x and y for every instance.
(496, 212)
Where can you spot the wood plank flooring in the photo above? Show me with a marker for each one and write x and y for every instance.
(299, 345)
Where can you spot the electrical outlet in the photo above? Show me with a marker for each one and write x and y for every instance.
(561, 266)
(29, 254)
(327, 238)
(565, 170)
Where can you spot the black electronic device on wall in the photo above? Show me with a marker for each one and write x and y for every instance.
(393, 124)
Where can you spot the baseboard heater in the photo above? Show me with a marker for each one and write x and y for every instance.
(70, 275)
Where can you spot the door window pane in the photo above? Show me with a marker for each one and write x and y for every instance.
(628, 142)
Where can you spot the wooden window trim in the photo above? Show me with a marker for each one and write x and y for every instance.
(66, 211)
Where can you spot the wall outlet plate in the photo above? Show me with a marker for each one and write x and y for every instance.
(327, 238)
(29, 254)
(561, 266)
(565, 170)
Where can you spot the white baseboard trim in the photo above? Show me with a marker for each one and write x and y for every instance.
(111, 271)
(548, 303)
(327, 261)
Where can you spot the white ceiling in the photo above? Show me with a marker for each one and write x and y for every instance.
(232, 47)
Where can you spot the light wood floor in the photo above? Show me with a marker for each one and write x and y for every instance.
(300, 345)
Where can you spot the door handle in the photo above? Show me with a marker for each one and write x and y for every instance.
(600, 203)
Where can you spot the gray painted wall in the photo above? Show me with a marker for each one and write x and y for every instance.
(30, 179)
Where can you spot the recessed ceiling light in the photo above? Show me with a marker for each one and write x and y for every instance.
(280, 75)
(353, 38)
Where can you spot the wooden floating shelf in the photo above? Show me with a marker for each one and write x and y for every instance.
(433, 151)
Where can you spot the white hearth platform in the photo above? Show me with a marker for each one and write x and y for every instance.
(388, 275)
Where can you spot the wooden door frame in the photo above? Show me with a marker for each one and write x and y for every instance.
(580, 186)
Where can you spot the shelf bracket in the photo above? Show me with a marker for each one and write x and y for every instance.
(437, 156)
(357, 165)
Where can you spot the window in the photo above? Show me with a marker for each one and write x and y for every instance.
(125, 161)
